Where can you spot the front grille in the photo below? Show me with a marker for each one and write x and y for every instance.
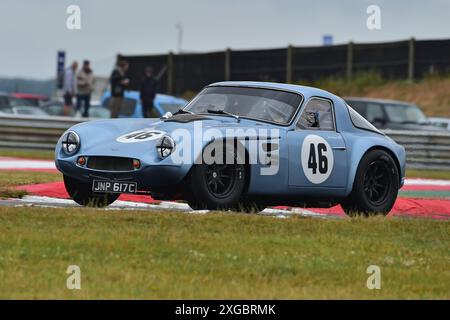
(110, 163)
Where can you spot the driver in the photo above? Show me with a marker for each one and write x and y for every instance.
(234, 106)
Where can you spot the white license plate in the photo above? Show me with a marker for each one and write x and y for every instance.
(114, 186)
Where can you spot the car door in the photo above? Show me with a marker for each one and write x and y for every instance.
(317, 152)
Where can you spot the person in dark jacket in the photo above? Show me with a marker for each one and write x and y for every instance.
(147, 92)
(119, 82)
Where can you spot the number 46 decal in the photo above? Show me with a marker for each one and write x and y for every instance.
(141, 135)
(317, 159)
(312, 159)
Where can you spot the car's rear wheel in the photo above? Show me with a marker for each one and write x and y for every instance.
(375, 187)
(216, 186)
(82, 194)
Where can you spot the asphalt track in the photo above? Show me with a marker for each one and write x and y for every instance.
(423, 198)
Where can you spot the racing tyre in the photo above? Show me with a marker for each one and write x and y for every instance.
(216, 186)
(375, 187)
(82, 194)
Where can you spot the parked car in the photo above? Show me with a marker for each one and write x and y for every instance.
(23, 110)
(240, 146)
(98, 111)
(132, 107)
(443, 123)
(7, 100)
(56, 108)
(391, 114)
(33, 99)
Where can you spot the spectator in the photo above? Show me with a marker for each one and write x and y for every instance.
(85, 86)
(148, 92)
(69, 87)
(119, 83)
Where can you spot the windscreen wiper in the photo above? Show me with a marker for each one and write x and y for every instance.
(182, 111)
(223, 112)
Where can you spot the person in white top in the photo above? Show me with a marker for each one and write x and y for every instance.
(85, 87)
(69, 87)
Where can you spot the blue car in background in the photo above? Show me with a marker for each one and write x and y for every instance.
(132, 107)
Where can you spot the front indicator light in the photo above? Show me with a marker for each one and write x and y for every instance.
(136, 164)
(81, 161)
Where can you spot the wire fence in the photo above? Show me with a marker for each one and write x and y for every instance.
(409, 59)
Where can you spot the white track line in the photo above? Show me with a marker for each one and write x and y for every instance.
(11, 164)
(48, 202)
(426, 182)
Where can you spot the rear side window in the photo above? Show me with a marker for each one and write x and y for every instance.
(359, 107)
(359, 121)
(318, 114)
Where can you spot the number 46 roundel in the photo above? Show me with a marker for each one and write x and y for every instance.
(317, 159)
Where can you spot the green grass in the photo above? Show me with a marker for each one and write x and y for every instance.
(10, 178)
(223, 256)
(429, 174)
(427, 194)
(27, 153)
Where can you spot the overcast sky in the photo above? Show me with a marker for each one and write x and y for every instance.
(32, 31)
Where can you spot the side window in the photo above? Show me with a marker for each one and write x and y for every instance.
(359, 107)
(374, 112)
(318, 114)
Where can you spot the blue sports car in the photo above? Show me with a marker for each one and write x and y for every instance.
(132, 106)
(241, 146)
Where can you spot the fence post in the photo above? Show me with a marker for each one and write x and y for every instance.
(411, 60)
(227, 64)
(289, 64)
(349, 60)
(170, 73)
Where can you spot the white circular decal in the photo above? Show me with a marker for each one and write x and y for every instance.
(317, 159)
(141, 135)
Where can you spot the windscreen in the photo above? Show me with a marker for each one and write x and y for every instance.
(254, 103)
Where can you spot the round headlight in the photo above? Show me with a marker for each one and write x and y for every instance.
(165, 147)
(70, 143)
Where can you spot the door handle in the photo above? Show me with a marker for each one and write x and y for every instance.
(338, 148)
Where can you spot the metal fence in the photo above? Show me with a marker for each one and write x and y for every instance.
(409, 59)
(425, 150)
(29, 132)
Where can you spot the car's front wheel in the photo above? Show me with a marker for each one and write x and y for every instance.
(216, 186)
(82, 194)
(375, 187)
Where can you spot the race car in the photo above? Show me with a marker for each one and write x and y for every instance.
(239, 146)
